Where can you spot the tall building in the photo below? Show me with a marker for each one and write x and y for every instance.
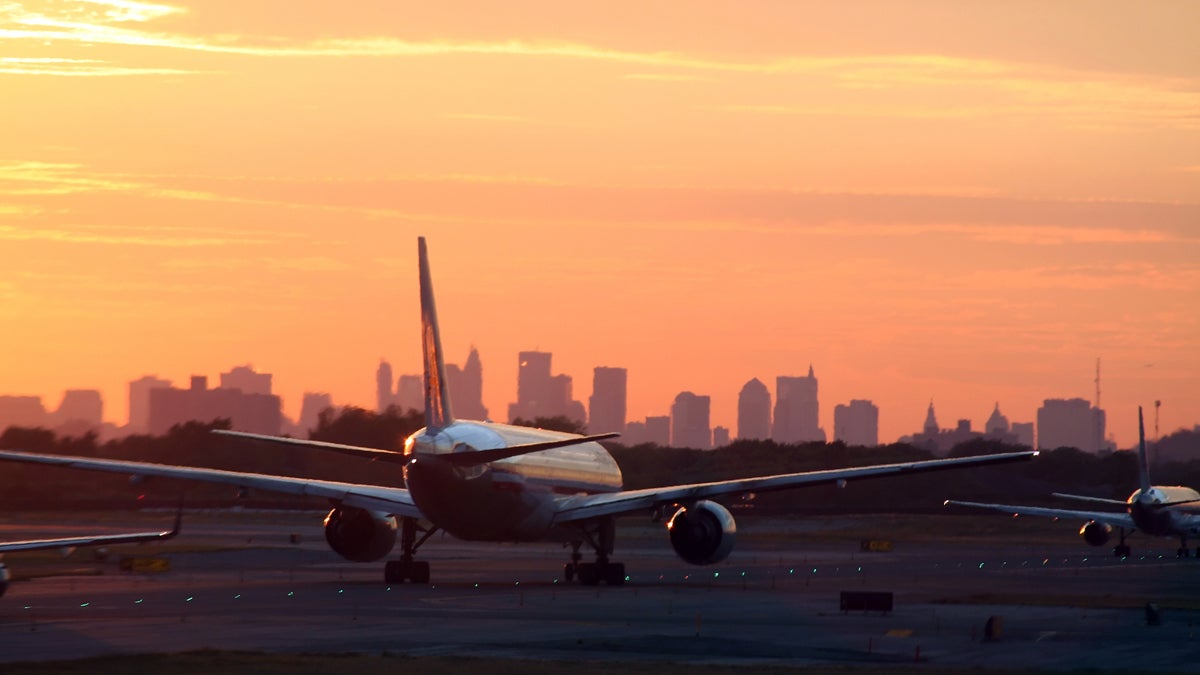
(410, 393)
(689, 422)
(466, 388)
(720, 437)
(314, 403)
(796, 410)
(1071, 423)
(255, 413)
(754, 411)
(606, 406)
(540, 394)
(384, 396)
(82, 407)
(658, 430)
(139, 401)
(247, 381)
(856, 424)
(22, 411)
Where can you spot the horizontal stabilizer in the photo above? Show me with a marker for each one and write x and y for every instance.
(464, 459)
(1095, 500)
(477, 457)
(356, 450)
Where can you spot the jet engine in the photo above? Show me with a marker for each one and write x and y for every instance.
(703, 533)
(360, 535)
(1095, 533)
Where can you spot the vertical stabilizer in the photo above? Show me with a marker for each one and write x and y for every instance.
(1143, 462)
(437, 394)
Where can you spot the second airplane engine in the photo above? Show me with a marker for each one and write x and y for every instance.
(702, 534)
(1095, 533)
(360, 535)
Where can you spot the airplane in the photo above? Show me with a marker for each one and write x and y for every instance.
(72, 542)
(1160, 510)
(484, 481)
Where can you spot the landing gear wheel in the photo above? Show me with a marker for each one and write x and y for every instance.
(614, 574)
(396, 571)
(418, 572)
(569, 572)
(589, 574)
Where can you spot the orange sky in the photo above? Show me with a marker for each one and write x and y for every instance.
(968, 202)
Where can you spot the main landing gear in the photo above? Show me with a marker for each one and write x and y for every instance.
(1121, 550)
(1182, 551)
(600, 537)
(407, 568)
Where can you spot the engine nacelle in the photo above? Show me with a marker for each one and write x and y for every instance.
(360, 535)
(703, 533)
(1095, 533)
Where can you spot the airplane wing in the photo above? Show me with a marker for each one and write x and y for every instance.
(395, 501)
(71, 542)
(1107, 517)
(583, 507)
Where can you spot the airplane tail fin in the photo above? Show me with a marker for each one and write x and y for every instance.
(1143, 461)
(437, 393)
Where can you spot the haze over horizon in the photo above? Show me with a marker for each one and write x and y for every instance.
(922, 200)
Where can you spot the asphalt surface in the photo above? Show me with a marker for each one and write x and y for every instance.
(248, 582)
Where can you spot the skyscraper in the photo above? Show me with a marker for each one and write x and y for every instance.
(410, 393)
(540, 394)
(384, 396)
(247, 381)
(856, 424)
(466, 388)
(82, 406)
(139, 401)
(1072, 423)
(606, 406)
(754, 411)
(313, 404)
(689, 422)
(796, 410)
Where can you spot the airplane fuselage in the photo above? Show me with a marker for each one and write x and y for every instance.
(507, 500)
(1162, 521)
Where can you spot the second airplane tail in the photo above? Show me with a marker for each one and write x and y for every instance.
(437, 393)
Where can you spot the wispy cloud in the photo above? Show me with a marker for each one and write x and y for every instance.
(484, 117)
(1087, 99)
(81, 235)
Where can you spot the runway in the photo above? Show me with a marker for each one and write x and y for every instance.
(250, 582)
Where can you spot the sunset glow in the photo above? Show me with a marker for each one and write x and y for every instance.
(967, 203)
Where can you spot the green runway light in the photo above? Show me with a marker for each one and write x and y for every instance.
(239, 595)
(340, 591)
(138, 601)
(189, 599)
(85, 604)
(291, 593)
(980, 565)
(716, 574)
